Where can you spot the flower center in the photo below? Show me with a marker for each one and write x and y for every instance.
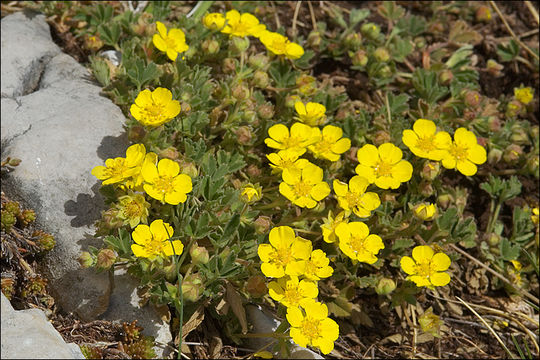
(357, 244)
(292, 142)
(323, 146)
(311, 268)
(292, 295)
(302, 189)
(279, 45)
(383, 169)
(154, 246)
(353, 199)
(133, 209)
(459, 152)
(311, 328)
(164, 184)
(424, 269)
(282, 256)
(427, 143)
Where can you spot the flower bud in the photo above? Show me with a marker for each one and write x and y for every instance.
(381, 137)
(514, 108)
(14, 162)
(93, 43)
(261, 79)
(253, 170)
(192, 287)
(136, 133)
(381, 54)
(240, 92)
(425, 212)
(370, 30)
(170, 153)
(307, 84)
(446, 76)
(385, 72)
(229, 65)
(210, 46)
(360, 58)
(290, 100)
(266, 111)
(244, 136)
(258, 61)
(519, 135)
(256, 286)
(430, 170)
(188, 168)
(512, 154)
(436, 27)
(494, 156)
(420, 42)
(493, 239)
(532, 165)
(251, 193)
(494, 123)
(105, 258)
(314, 39)
(494, 68)
(472, 98)
(444, 200)
(353, 41)
(86, 260)
(199, 254)
(483, 14)
(240, 44)
(385, 286)
(262, 224)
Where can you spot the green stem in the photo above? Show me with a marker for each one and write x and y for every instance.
(493, 218)
(180, 310)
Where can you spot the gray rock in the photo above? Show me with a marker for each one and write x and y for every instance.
(125, 292)
(27, 334)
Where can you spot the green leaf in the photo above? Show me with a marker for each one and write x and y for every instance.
(447, 219)
(460, 57)
(398, 104)
(508, 52)
(140, 74)
(231, 226)
(412, 25)
(389, 10)
(357, 15)
(426, 84)
(159, 9)
(402, 244)
(101, 71)
(110, 33)
(508, 251)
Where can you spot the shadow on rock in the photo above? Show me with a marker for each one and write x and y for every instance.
(113, 146)
(86, 209)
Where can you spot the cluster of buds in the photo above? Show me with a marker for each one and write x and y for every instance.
(34, 286)
(12, 214)
(44, 240)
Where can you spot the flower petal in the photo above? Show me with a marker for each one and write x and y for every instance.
(440, 279)
(422, 253)
(408, 265)
(168, 167)
(279, 132)
(281, 237)
(424, 128)
(368, 155)
(440, 262)
(390, 153)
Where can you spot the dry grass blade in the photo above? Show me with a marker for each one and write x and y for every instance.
(488, 327)
(312, 13)
(533, 11)
(295, 18)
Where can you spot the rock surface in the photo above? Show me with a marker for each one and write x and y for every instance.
(26, 334)
(55, 120)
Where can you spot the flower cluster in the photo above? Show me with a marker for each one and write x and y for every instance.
(463, 153)
(294, 264)
(242, 25)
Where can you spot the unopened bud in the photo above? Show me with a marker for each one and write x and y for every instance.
(210, 46)
(381, 54)
(514, 108)
(494, 156)
(381, 137)
(229, 65)
(425, 212)
(253, 170)
(436, 27)
(192, 287)
(240, 44)
(244, 136)
(266, 111)
(532, 165)
(494, 68)
(385, 72)
(106, 258)
(136, 133)
(370, 30)
(426, 188)
(258, 61)
(290, 100)
(430, 170)
(86, 260)
(353, 41)
(262, 224)
(314, 39)
(494, 124)
(251, 193)
(444, 200)
(199, 254)
(240, 92)
(472, 98)
(519, 135)
(385, 286)
(512, 154)
(256, 286)
(493, 239)
(261, 79)
(170, 153)
(420, 42)
(446, 76)
(189, 168)
(360, 58)
(483, 14)
(14, 162)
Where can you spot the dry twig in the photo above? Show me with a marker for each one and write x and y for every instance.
(295, 17)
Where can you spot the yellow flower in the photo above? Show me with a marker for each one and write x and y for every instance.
(286, 159)
(291, 292)
(152, 241)
(136, 181)
(383, 166)
(535, 216)
(312, 114)
(153, 108)
(119, 169)
(304, 187)
(425, 212)
(330, 225)
(317, 267)
(133, 209)
(242, 24)
(425, 141)
(298, 139)
(524, 95)
(172, 43)
(464, 153)
(284, 250)
(251, 193)
(356, 242)
(165, 183)
(280, 45)
(427, 268)
(313, 326)
(353, 197)
(214, 21)
(331, 145)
